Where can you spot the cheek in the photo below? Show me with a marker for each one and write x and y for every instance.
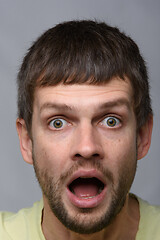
(123, 164)
(121, 152)
(50, 156)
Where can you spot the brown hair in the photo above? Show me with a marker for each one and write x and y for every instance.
(82, 52)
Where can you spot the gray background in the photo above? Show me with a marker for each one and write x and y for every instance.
(20, 23)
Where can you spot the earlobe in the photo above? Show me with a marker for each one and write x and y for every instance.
(25, 141)
(144, 138)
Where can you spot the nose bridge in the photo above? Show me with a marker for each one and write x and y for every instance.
(86, 142)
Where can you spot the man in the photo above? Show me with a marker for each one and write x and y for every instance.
(84, 119)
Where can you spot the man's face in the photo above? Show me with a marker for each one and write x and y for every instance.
(84, 151)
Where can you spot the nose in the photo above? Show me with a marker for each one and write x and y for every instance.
(86, 143)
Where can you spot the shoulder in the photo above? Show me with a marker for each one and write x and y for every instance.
(26, 223)
(149, 226)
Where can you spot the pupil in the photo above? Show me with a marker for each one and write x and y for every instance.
(111, 122)
(58, 123)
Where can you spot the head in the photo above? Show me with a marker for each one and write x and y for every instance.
(80, 52)
(84, 120)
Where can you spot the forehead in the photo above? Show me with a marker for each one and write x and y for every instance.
(84, 94)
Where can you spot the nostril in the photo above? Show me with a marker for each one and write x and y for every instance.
(96, 155)
(78, 155)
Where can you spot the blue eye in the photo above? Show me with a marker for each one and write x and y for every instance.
(57, 123)
(111, 121)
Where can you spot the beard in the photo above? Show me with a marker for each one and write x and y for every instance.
(85, 221)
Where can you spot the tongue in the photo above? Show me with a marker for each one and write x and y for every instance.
(85, 188)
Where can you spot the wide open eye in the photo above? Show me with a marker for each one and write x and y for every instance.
(111, 121)
(58, 123)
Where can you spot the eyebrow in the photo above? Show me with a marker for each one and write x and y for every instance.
(65, 107)
(116, 103)
(58, 106)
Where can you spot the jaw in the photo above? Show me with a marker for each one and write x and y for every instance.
(83, 215)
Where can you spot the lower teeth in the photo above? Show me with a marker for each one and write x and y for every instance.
(87, 197)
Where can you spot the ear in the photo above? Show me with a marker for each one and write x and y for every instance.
(25, 141)
(144, 138)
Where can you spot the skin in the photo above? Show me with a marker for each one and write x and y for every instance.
(86, 143)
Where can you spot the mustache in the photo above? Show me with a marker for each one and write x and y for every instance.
(90, 164)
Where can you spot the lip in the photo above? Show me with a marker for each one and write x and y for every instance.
(87, 202)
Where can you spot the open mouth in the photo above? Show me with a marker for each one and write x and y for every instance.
(86, 187)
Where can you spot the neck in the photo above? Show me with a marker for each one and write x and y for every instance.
(124, 226)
